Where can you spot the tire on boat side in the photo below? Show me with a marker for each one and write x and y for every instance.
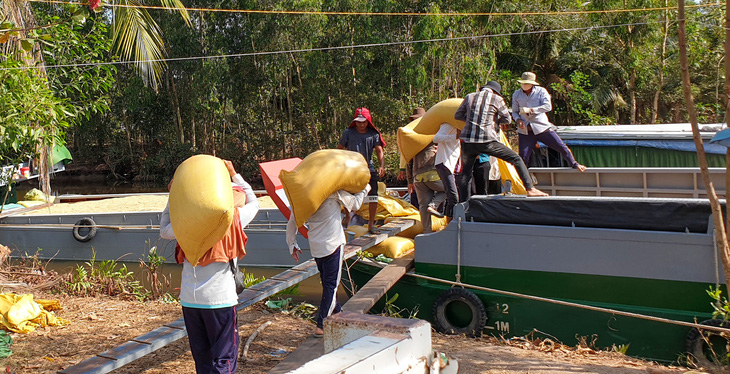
(444, 320)
(85, 223)
(696, 342)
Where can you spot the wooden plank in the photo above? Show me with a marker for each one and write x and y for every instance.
(309, 350)
(8, 213)
(133, 349)
(370, 293)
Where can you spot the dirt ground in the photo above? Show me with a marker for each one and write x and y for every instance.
(101, 323)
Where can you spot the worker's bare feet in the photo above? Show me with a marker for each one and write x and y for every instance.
(580, 168)
(534, 192)
(318, 333)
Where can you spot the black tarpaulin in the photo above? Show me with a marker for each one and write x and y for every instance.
(603, 212)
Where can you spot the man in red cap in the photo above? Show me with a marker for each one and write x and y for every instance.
(363, 137)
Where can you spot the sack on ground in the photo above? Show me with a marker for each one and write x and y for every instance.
(393, 247)
(201, 204)
(321, 174)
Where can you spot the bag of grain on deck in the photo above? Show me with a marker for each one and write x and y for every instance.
(393, 247)
(201, 204)
(437, 224)
(321, 174)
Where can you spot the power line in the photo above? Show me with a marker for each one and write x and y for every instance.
(321, 49)
(412, 14)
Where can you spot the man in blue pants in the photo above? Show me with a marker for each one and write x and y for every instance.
(326, 241)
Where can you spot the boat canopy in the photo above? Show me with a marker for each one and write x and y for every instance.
(665, 145)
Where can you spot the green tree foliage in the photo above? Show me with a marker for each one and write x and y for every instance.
(601, 68)
(30, 114)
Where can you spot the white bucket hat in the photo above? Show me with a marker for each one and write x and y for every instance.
(528, 77)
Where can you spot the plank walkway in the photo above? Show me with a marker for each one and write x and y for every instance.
(140, 346)
(12, 212)
(361, 302)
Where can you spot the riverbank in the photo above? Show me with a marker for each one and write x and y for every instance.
(100, 323)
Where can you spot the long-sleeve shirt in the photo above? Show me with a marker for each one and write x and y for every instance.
(325, 225)
(211, 286)
(482, 111)
(449, 146)
(540, 101)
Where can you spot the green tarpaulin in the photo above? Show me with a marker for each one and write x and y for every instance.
(640, 157)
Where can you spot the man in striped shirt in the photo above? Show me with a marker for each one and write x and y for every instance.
(483, 111)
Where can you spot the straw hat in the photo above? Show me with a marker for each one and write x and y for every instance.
(528, 77)
(417, 113)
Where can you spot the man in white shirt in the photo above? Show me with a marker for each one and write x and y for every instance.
(208, 291)
(447, 157)
(326, 239)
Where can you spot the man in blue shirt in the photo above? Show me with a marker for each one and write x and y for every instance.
(363, 137)
(529, 105)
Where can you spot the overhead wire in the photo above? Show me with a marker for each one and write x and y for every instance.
(321, 49)
(413, 14)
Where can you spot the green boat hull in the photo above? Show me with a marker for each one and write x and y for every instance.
(510, 316)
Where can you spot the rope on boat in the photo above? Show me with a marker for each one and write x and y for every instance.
(119, 227)
(458, 252)
(576, 305)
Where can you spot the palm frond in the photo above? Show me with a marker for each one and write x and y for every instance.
(137, 37)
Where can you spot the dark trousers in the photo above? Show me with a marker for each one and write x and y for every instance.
(481, 177)
(452, 193)
(551, 139)
(213, 337)
(330, 272)
(469, 154)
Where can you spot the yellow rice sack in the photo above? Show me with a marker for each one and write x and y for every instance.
(201, 204)
(387, 206)
(442, 112)
(321, 174)
(411, 142)
(415, 136)
(393, 247)
(437, 224)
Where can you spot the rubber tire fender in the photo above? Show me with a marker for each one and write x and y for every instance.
(695, 342)
(85, 222)
(459, 295)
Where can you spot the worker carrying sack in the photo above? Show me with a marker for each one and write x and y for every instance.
(321, 174)
(201, 205)
(417, 135)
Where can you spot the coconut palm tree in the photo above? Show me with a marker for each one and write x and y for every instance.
(136, 36)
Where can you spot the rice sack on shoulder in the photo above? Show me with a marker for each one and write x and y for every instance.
(201, 205)
(418, 134)
(321, 174)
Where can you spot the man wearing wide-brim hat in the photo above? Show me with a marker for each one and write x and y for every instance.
(530, 104)
(482, 111)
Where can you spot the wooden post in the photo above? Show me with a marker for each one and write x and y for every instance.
(721, 235)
